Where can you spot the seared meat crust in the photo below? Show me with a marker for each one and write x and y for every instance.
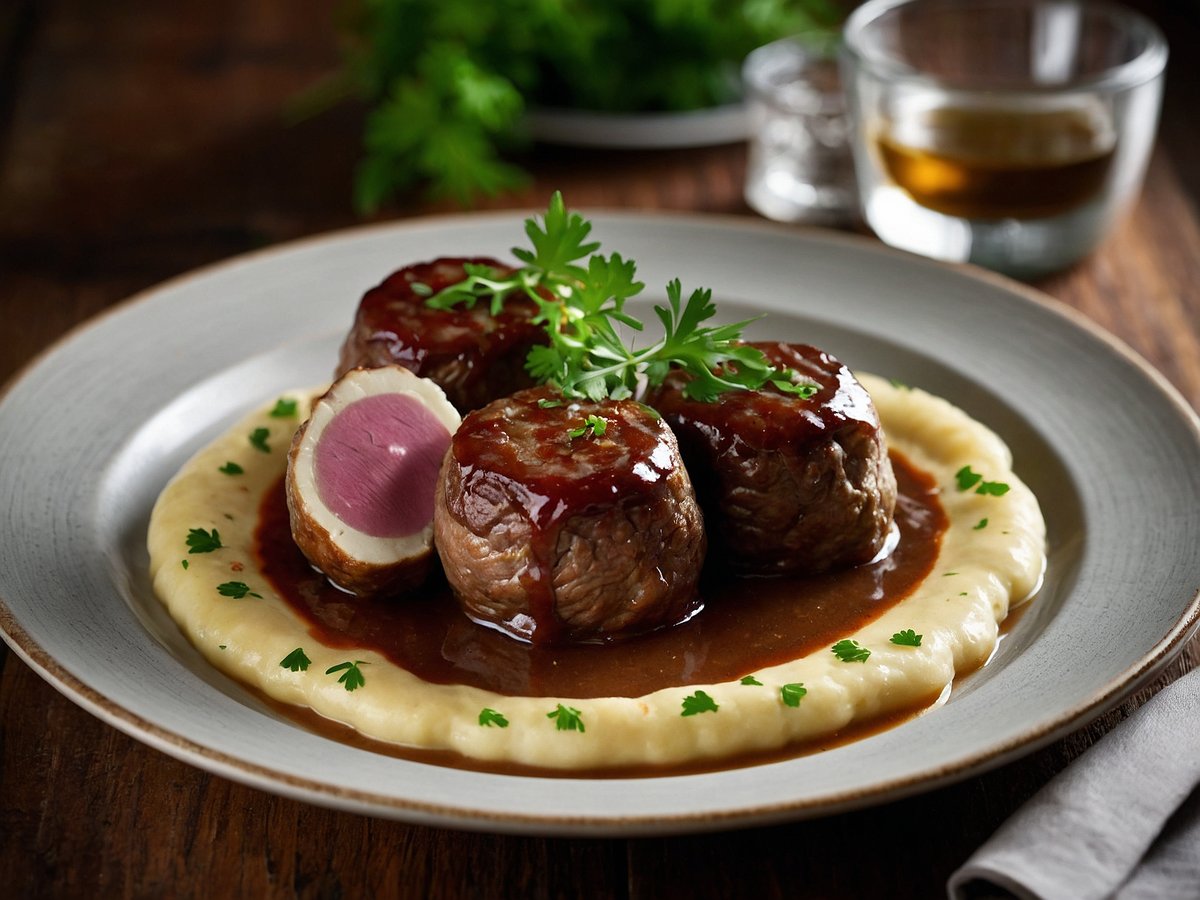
(470, 354)
(788, 485)
(560, 538)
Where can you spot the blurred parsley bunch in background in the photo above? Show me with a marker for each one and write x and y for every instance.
(447, 82)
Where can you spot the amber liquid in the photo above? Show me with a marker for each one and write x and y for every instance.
(981, 163)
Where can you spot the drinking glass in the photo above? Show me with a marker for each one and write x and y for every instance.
(798, 166)
(1008, 133)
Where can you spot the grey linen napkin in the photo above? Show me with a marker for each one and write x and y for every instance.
(1120, 822)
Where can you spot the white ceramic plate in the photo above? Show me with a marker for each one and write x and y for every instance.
(91, 433)
(644, 131)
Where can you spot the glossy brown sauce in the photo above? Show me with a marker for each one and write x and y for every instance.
(746, 624)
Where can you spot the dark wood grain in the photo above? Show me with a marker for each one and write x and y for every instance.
(142, 140)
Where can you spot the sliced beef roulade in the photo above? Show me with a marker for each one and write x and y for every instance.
(561, 520)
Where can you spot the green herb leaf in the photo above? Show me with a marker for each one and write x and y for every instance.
(751, 680)
(697, 703)
(966, 479)
(583, 307)
(850, 651)
(981, 524)
(238, 590)
(791, 694)
(446, 82)
(489, 717)
(184, 563)
(907, 638)
(231, 468)
(258, 439)
(285, 408)
(593, 426)
(566, 718)
(352, 677)
(201, 541)
(297, 661)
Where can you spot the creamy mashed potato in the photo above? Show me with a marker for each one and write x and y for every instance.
(228, 610)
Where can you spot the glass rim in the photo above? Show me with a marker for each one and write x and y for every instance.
(1145, 66)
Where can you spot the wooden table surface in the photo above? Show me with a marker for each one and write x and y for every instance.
(138, 141)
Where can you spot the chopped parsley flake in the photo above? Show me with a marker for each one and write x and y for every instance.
(980, 525)
(421, 289)
(546, 403)
(697, 703)
(966, 478)
(850, 651)
(566, 718)
(750, 679)
(231, 468)
(802, 389)
(258, 439)
(489, 717)
(285, 408)
(792, 694)
(899, 385)
(201, 541)
(352, 676)
(238, 590)
(221, 646)
(907, 638)
(184, 563)
(593, 424)
(297, 661)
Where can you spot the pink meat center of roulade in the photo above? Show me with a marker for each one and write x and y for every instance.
(377, 462)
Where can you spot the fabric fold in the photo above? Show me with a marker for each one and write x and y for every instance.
(1123, 820)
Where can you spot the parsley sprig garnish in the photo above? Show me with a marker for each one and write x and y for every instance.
(582, 305)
